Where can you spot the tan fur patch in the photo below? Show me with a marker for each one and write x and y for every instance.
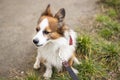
(71, 60)
(53, 22)
(48, 29)
(55, 35)
(53, 27)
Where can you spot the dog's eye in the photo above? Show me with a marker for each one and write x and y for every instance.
(46, 32)
(37, 29)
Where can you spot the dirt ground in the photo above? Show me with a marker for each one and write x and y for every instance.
(18, 20)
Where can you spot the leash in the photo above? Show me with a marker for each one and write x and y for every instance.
(70, 71)
(67, 66)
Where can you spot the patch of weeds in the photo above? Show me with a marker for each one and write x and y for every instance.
(115, 4)
(110, 56)
(106, 33)
(83, 46)
(31, 76)
(112, 13)
(111, 2)
(113, 25)
(102, 18)
(107, 52)
(108, 28)
(61, 76)
(110, 19)
(89, 70)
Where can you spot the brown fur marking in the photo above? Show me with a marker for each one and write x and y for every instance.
(71, 60)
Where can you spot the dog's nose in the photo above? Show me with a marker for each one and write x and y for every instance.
(36, 41)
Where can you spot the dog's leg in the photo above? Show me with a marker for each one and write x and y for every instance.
(37, 62)
(76, 61)
(48, 72)
(75, 70)
(59, 70)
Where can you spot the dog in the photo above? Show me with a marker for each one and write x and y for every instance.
(55, 41)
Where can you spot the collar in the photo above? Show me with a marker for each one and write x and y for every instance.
(70, 40)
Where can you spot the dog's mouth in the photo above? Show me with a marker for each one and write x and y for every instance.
(39, 45)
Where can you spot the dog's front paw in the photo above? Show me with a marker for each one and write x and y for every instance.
(36, 66)
(75, 70)
(47, 76)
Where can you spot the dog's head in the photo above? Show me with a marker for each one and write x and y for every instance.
(49, 26)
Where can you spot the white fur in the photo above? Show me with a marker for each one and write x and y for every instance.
(44, 23)
(40, 36)
(51, 50)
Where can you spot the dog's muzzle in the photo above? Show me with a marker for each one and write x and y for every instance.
(35, 41)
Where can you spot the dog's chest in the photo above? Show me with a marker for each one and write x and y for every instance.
(50, 53)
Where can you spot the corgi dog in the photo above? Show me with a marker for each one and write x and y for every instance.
(55, 41)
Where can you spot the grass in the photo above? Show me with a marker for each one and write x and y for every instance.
(106, 33)
(108, 28)
(89, 70)
(109, 20)
(31, 75)
(61, 76)
(103, 18)
(112, 13)
(113, 3)
(112, 56)
(83, 46)
(109, 56)
(35, 76)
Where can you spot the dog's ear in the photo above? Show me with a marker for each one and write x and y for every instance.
(60, 15)
(47, 12)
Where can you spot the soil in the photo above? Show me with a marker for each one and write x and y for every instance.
(18, 19)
